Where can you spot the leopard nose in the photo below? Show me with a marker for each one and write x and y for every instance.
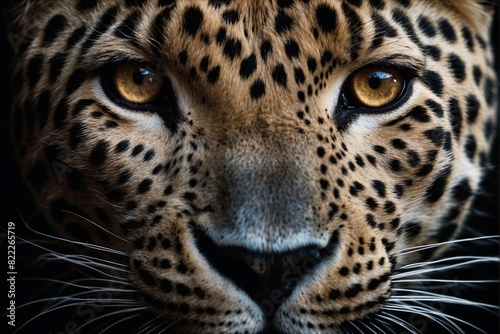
(268, 278)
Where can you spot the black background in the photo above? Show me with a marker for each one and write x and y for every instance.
(14, 198)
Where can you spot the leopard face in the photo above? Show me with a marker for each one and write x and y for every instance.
(255, 166)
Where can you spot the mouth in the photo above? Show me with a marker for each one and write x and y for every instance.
(267, 278)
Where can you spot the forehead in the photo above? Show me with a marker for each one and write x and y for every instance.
(333, 31)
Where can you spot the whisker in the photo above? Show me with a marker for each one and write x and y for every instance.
(419, 248)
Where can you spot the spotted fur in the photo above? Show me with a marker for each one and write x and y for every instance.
(256, 201)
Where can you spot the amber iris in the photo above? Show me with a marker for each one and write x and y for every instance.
(137, 84)
(376, 87)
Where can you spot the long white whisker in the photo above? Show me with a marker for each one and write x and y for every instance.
(419, 248)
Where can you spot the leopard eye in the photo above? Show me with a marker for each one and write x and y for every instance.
(376, 87)
(137, 84)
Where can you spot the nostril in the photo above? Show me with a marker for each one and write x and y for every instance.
(264, 276)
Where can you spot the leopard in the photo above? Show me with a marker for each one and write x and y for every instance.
(267, 166)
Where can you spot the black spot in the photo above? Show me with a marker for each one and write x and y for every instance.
(462, 191)
(426, 26)
(326, 18)
(435, 108)
(355, 28)
(437, 188)
(75, 37)
(457, 66)
(183, 289)
(213, 75)
(266, 49)
(282, 22)
(232, 48)
(205, 61)
(106, 21)
(453, 213)
(128, 27)
(433, 51)
(221, 35)
(182, 268)
(219, 3)
(84, 5)
(183, 57)
(447, 31)
(157, 39)
(390, 208)
(404, 21)
(122, 146)
(344, 271)
(455, 117)
(359, 161)
(468, 38)
(371, 203)
(168, 190)
(137, 150)
(478, 75)
(124, 176)
(399, 191)
(472, 108)
(353, 291)
(311, 65)
(279, 75)
(99, 153)
(231, 16)
(292, 49)
(54, 27)
(258, 89)
(149, 155)
(334, 294)
(379, 187)
(382, 30)
(75, 81)
(436, 135)
(299, 76)
(404, 3)
(321, 152)
(302, 98)
(192, 20)
(470, 147)
(379, 149)
(434, 81)
(109, 124)
(489, 91)
(447, 143)
(166, 285)
(413, 158)
(398, 144)
(395, 165)
(56, 65)
(134, 3)
(248, 66)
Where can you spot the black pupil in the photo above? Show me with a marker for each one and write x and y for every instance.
(375, 79)
(374, 82)
(139, 76)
